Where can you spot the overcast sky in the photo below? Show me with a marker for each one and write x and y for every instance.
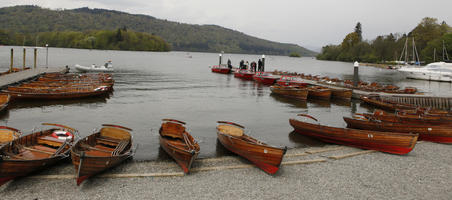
(309, 23)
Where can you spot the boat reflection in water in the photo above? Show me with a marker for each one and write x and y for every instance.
(297, 103)
(304, 141)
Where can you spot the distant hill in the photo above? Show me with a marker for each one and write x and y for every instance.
(181, 37)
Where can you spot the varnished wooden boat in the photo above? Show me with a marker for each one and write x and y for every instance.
(108, 147)
(289, 80)
(341, 93)
(290, 91)
(178, 143)
(65, 93)
(387, 105)
(35, 151)
(8, 134)
(4, 100)
(410, 119)
(433, 133)
(390, 142)
(264, 156)
(319, 92)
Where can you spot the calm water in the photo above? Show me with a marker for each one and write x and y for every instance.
(152, 86)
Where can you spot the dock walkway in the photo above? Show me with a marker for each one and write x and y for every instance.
(16, 77)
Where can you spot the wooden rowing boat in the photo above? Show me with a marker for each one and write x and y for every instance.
(108, 147)
(433, 133)
(64, 93)
(264, 156)
(291, 81)
(4, 100)
(341, 93)
(387, 105)
(8, 134)
(290, 91)
(390, 142)
(35, 151)
(319, 92)
(402, 118)
(178, 143)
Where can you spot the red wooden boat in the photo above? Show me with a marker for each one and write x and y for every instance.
(222, 69)
(266, 78)
(290, 91)
(390, 142)
(410, 119)
(8, 134)
(4, 100)
(232, 137)
(101, 150)
(292, 81)
(319, 92)
(244, 74)
(178, 143)
(387, 105)
(433, 133)
(35, 151)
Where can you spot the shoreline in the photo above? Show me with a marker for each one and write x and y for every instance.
(329, 172)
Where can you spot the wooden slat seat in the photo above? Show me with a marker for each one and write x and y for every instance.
(49, 140)
(91, 148)
(107, 141)
(97, 153)
(44, 148)
(31, 155)
(104, 148)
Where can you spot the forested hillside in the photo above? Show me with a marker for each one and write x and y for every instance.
(180, 36)
(428, 35)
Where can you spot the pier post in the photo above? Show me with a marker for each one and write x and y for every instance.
(23, 66)
(12, 60)
(36, 55)
(355, 73)
(263, 63)
(47, 55)
(220, 58)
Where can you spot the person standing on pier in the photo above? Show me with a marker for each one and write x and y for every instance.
(247, 64)
(229, 64)
(259, 65)
(253, 66)
(241, 64)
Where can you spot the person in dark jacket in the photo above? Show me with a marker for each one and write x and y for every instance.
(253, 66)
(242, 63)
(229, 64)
(259, 65)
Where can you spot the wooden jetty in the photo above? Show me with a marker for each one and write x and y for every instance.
(20, 76)
(441, 101)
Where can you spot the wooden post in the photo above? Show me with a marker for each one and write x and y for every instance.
(355, 74)
(23, 66)
(12, 61)
(36, 55)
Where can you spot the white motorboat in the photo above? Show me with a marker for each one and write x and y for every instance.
(107, 67)
(437, 71)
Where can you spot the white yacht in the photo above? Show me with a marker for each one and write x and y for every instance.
(437, 71)
(107, 67)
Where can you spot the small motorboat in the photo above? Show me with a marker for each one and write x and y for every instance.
(4, 100)
(290, 91)
(433, 133)
(389, 142)
(244, 74)
(35, 151)
(264, 156)
(178, 143)
(108, 147)
(266, 78)
(8, 134)
(107, 67)
(222, 69)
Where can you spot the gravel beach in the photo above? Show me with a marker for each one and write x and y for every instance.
(425, 173)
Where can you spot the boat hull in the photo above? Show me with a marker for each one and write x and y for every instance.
(345, 94)
(440, 134)
(395, 143)
(90, 69)
(244, 74)
(293, 92)
(317, 93)
(4, 100)
(265, 157)
(265, 80)
(221, 70)
(183, 157)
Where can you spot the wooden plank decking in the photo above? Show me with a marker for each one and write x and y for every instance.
(16, 77)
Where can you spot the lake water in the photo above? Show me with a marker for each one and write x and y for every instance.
(151, 86)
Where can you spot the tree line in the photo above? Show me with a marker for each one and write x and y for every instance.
(428, 35)
(119, 39)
